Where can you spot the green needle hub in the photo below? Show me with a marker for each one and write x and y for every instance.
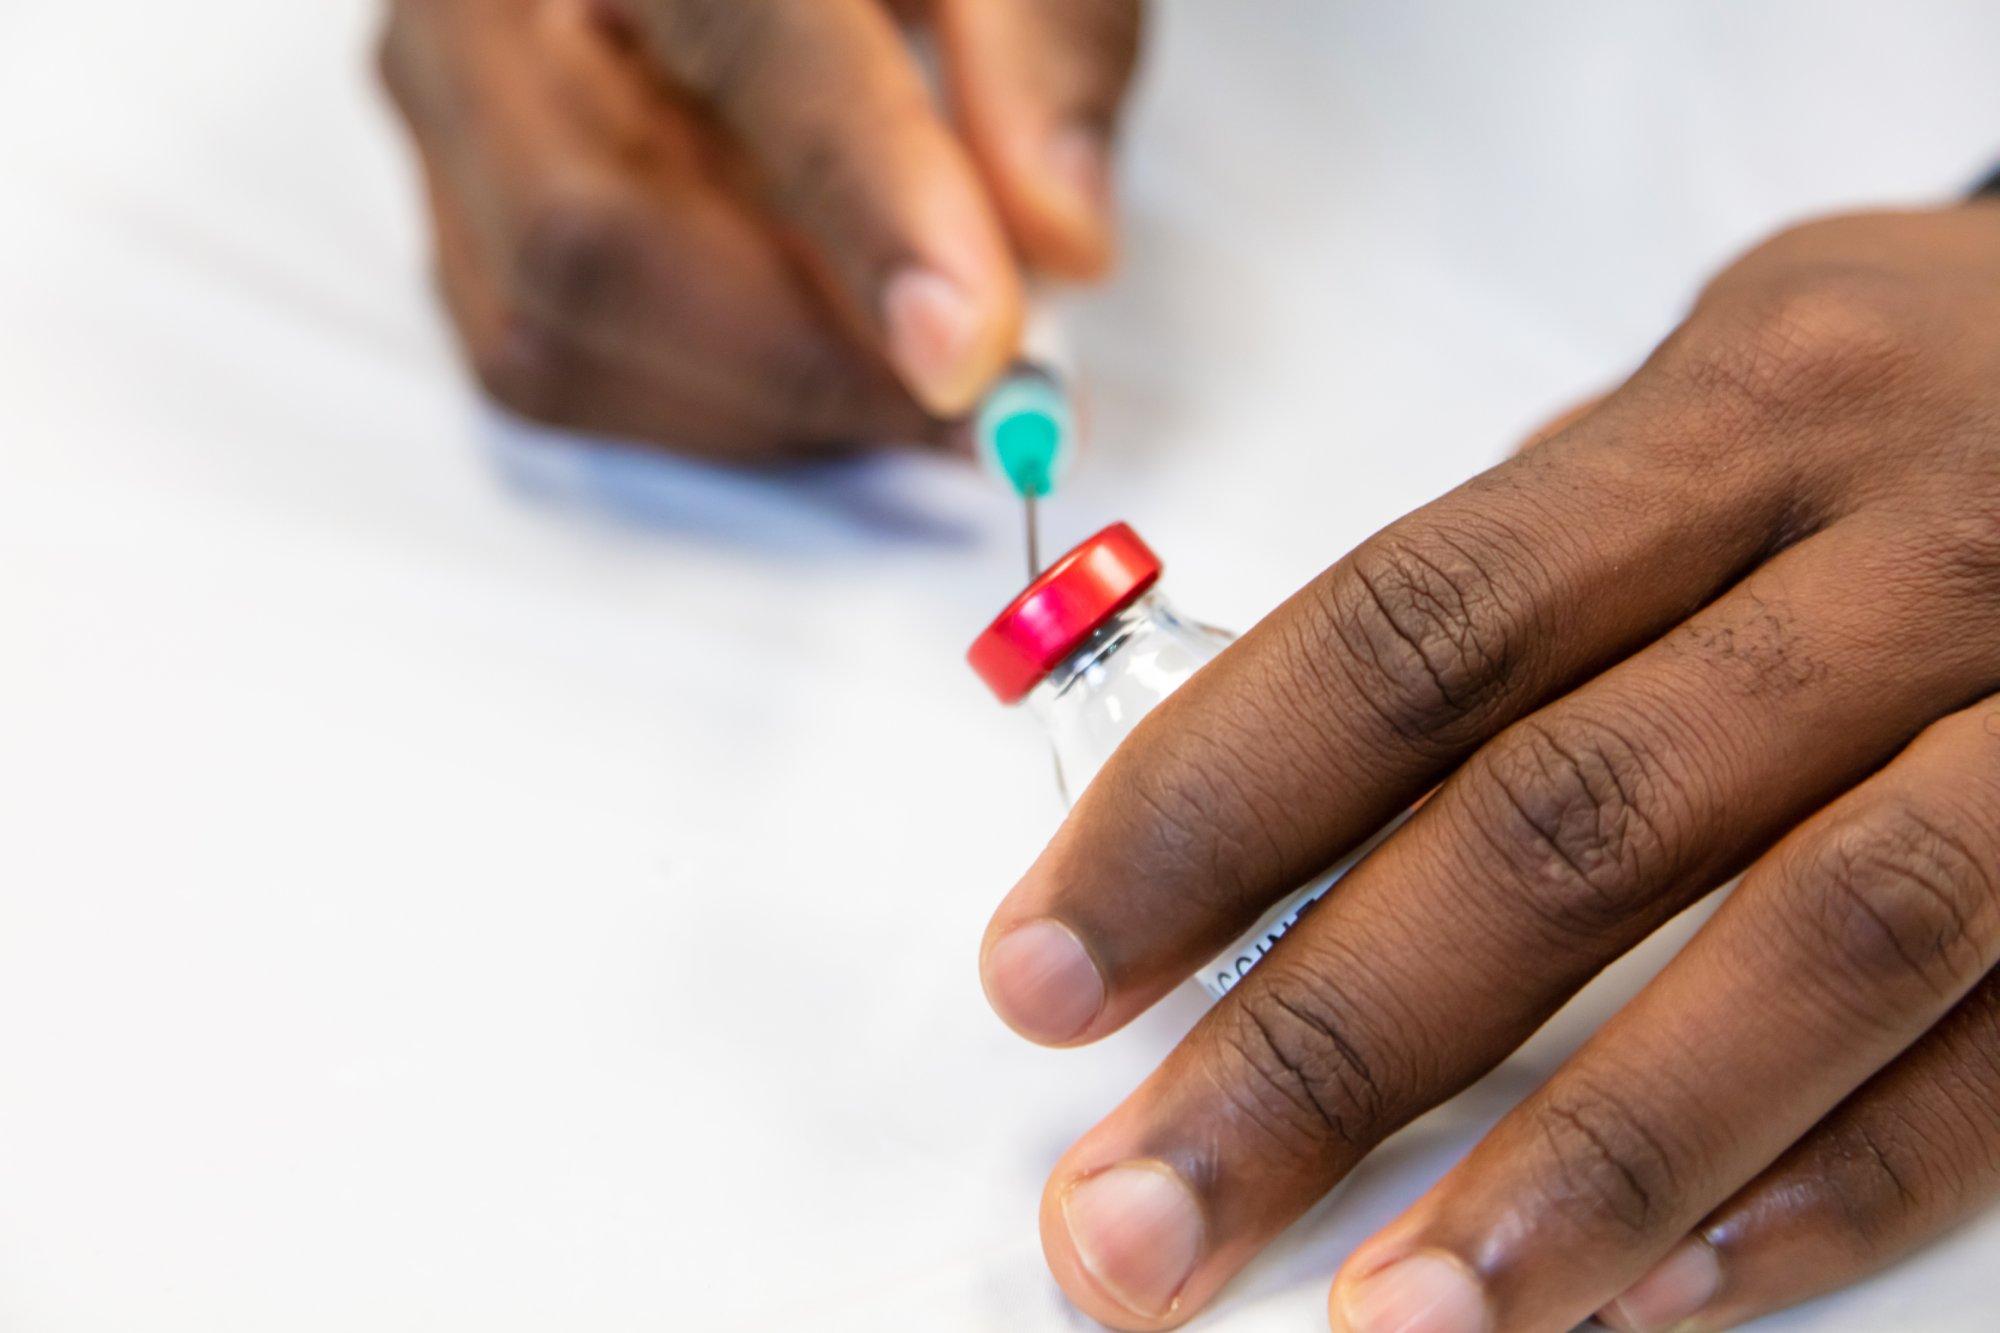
(1025, 432)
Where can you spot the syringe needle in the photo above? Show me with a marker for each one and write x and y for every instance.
(1034, 538)
(1025, 431)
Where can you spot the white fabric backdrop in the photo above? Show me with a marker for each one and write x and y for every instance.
(452, 880)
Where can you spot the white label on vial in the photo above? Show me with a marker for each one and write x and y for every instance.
(1235, 962)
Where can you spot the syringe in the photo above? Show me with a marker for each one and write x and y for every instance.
(1026, 432)
(1026, 427)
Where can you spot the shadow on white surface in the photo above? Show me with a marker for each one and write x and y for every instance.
(800, 509)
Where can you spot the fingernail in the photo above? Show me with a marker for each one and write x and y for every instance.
(1428, 1292)
(1042, 981)
(1676, 1289)
(1080, 163)
(1137, 1229)
(932, 326)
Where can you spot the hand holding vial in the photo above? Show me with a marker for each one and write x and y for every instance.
(1740, 617)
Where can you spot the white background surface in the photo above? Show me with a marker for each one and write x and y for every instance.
(451, 880)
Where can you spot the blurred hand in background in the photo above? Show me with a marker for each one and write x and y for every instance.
(749, 228)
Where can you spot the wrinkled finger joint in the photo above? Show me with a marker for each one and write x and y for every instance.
(1298, 1059)
(1432, 630)
(1870, 1184)
(1581, 812)
(1903, 902)
(1607, 1162)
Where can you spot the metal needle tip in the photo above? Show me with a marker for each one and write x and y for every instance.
(1034, 539)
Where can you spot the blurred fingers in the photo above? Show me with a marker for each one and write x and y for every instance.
(1038, 86)
(602, 272)
(848, 146)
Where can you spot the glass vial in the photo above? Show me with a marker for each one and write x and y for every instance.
(1092, 646)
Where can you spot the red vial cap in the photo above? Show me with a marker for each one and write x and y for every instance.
(1064, 606)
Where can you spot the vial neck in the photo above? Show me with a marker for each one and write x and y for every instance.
(1103, 643)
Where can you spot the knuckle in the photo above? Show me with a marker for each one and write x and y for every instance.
(1874, 1180)
(1583, 816)
(766, 67)
(712, 46)
(1606, 1162)
(1429, 629)
(1899, 899)
(572, 257)
(1295, 1066)
(1800, 344)
(525, 371)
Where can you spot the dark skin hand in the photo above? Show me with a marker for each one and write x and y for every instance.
(746, 228)
(1742, 616)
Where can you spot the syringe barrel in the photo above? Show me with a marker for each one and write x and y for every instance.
(1027, 428)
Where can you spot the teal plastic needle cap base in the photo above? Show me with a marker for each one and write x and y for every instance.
(1025, 431)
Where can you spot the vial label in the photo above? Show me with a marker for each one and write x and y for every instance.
(1234, 963)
